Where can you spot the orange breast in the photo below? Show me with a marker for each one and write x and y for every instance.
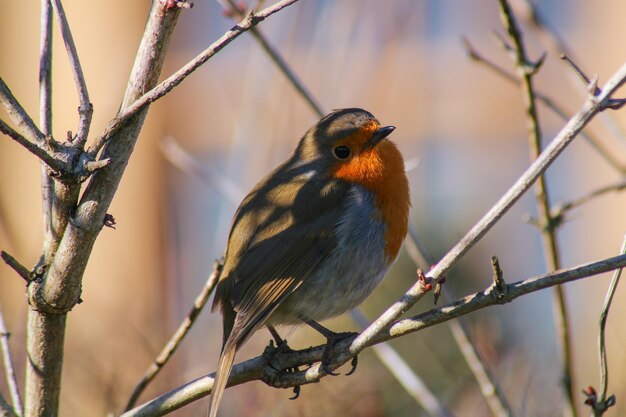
(381, 170)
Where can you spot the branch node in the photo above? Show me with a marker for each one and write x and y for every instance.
(532, 67)
(109, 221)
(86, 166)
(93, 166)
(598, 405)
(21, 270)
(499, 287)
(615, 103)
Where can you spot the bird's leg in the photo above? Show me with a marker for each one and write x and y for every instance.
(281, 347)
(332, 339)
(281, 344)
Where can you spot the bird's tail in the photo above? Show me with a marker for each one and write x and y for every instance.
(221, 376)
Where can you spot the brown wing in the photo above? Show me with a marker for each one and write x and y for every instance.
(281, 233)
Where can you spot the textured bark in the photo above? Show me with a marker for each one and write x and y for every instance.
(59, 288)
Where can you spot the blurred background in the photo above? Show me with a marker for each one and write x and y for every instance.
(460, 126)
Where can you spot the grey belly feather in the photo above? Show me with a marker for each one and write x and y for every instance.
(350, 274)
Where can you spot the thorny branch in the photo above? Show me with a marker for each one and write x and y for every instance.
(258, 368)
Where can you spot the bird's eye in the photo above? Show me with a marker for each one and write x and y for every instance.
(342, 152)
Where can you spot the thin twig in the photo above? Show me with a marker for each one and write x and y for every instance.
(595, 143)
(562, 208)
(39, 149)
(526, 69)
(257, 368)
(25, 125)
(603, 403)
(8, 367)
(45, 121)
(21, 270)
(559, 45)
(407, 377)
(577, 70)
(85, 109)
(178, 336)
(233, 10)
(172, 81)
(489, 387)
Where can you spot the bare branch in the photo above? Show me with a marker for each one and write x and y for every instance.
(489, 387)
(40, 150)
(45, 68)
(559, 211)
(178, 336)
(45, 121)
(25, 125)
(578, 71)
(547, 101)
(258, 368)
(232, 10)
(599, 405)
(59, 289)
(542, 196)
(21, 270)
(8, 367)
(407, 377)
(85, 110)
(168, 84)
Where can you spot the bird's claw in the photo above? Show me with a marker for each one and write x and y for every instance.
(296, 393)
(353, 363)
(331, 341)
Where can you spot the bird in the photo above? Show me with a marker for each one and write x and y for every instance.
(315, 236)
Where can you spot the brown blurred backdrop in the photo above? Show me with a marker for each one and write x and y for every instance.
(461, 126)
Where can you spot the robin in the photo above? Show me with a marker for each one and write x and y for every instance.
(315, 236)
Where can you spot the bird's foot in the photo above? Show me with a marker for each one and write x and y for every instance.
(274, 372)
(331, 340)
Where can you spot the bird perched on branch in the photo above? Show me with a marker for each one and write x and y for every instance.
(314, 237)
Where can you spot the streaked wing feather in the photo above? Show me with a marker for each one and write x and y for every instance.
(281, 255)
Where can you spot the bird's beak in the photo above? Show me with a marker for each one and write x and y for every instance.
(379, 135)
